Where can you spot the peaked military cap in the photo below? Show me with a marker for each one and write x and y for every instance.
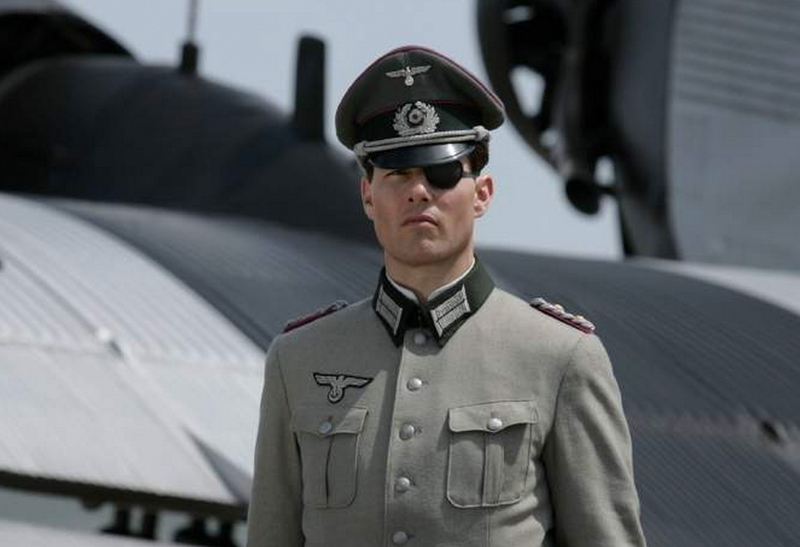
(415, 107)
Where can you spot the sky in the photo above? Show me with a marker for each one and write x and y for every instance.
(250, 44)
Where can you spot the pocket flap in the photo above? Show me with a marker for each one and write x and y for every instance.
(324, 420)
(492, 417)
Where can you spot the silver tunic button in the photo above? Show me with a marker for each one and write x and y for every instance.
(325, 428)
(414, 384)
(494, 424)
(399, 538)
(420, 338)
(402, 484)
(407, 431)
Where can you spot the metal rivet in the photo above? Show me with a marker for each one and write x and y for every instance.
(103, 335)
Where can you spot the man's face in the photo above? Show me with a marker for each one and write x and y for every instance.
(418, 224)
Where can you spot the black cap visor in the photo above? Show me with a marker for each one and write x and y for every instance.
(422, 155)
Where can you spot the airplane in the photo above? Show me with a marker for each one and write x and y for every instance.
(149, 253)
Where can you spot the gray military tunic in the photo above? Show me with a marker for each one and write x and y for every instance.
(504, 428)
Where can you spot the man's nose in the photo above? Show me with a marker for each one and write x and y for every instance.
(420, 190)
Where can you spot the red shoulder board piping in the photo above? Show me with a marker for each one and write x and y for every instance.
(311, 317)
(557, 310)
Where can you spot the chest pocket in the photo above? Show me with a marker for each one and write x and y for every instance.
(328, 439)
(490, 452)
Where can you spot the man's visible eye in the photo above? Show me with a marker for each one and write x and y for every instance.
(398, 173)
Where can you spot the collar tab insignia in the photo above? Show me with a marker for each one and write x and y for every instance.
(408, 73)
(557, 311)
(450, 311)
(338, 383)
(389, 310)
(442, 315)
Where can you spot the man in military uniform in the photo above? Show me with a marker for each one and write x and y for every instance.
(443, 411)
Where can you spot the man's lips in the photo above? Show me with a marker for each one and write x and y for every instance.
(420, 219)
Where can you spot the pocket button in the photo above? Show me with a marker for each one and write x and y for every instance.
(402, 484)
(325, 427)
(400, 538)
(494, 424)
(407, 431)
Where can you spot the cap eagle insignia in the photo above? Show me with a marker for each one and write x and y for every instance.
(408, 73)
(338, 383)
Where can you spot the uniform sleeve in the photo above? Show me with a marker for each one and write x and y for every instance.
(274, 517)
(588, 459)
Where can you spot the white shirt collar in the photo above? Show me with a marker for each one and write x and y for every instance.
(408, 293)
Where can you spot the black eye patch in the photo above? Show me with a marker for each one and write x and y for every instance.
(445, 175)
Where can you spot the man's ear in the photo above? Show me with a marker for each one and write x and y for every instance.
(366, 197)
(484, 190)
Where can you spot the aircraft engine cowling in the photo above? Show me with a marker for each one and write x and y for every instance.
(683, 110)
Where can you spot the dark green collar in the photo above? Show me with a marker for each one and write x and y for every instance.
(442, 315)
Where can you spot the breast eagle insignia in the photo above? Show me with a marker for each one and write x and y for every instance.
(338, 383)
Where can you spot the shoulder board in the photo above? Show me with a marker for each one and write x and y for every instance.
(557, 310)
(311, 317)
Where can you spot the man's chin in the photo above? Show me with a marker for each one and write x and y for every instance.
(424, 255)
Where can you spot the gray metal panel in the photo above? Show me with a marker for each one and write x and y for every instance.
(734, 132)
(108, 367)
(260, 275)
(781, 288)
(115, 289)
(79, 417)
(30, 313)
(738, 486)
(739, 54)
(217, 406)
(15, 534)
